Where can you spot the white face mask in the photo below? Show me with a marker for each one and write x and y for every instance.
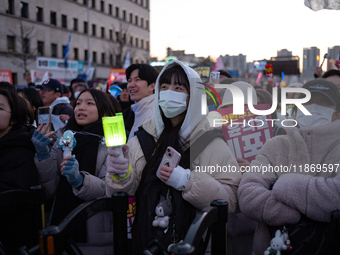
(321, 115)
(172, 103)
(76, 94)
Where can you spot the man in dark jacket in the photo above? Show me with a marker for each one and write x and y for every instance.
(51, 92)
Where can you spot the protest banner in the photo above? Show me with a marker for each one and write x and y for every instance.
(202, 70)
(6, 75)
(117, 74)
(246, 134)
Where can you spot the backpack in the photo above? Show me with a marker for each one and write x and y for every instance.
(152, 188)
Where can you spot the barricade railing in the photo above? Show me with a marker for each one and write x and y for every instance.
(214, 220)
(54, 240)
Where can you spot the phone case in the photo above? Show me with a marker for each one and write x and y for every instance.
(215, 75)
(170, 158)
(44, 116)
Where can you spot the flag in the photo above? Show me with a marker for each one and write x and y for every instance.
(218, 65)
(127, 60)
(89, 70)
(66, 51)
(45, 77)
(337, 61)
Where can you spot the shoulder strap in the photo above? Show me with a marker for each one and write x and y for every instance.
(146, 141)
(203, 141)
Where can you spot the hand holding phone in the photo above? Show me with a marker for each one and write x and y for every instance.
(44, 117)
(171, 158)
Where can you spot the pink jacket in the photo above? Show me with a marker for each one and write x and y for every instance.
(277, 198)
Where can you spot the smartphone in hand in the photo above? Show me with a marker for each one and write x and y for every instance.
(170, 158)
(215, 75)
(44, 116)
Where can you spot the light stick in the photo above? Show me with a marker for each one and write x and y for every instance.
(114, 132)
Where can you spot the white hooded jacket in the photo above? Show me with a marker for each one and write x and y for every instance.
(203, 187)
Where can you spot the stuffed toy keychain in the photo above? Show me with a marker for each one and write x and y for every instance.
(279, 243)
(163, 211)
(67, 142)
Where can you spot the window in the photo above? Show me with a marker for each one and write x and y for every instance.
(94, 57)
(102, 32)
(141, 2)
(147, 4)
(53, 18)
(54, 50)
(142, 44)
(94, 4)
(136, 61)
(94, 29)
(24, 9)
(86, 55)
(39, 12)
(117, 12)
(75, 24)
(64, 21)
(147, 24)
(102, 6)
(147, 45)
(10, 7)
(85, 2)
(117, 36)
(131, 18)
(26, 43)
(103, 58)
(124, 15)
(136, 44)
(131, 41)
(141, 22)
(136, 20)
(40, 48)
(111, 59)
(63, 49)
(110, 9)
(85, 27)
(10, 43)
(111, 34)
(75, 54)
(124, 38)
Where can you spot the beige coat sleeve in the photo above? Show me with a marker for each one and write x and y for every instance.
(137, 162)
(216, 175)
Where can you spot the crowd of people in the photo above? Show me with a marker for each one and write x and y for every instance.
(162, 114)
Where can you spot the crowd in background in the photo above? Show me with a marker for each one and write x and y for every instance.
(162, 110)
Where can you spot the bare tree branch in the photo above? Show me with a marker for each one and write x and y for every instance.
(121, 45)
(24, 56)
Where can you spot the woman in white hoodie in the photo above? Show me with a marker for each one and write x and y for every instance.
(178, 123)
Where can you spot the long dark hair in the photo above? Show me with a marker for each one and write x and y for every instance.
(21, 111)
(34, 98)
(103, 103)
(150, 187)
(170, 135)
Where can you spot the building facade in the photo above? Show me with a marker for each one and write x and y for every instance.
(238, 62)
(102, 30)
(311, 59)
